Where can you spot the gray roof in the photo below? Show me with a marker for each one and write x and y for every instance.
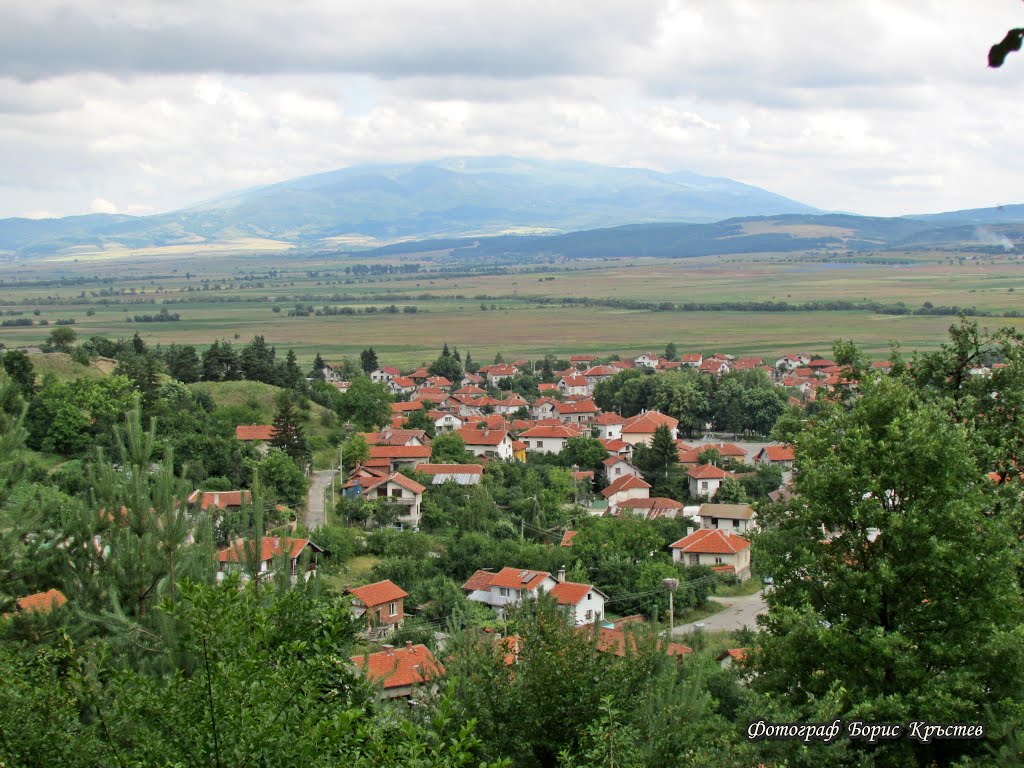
(728, 511)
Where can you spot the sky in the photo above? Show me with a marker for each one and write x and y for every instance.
(868, 106)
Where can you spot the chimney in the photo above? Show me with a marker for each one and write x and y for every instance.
(389, 650)
(561, 575)
(408, 645)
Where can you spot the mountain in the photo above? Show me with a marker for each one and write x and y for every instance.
(452, 197)
(759, 234)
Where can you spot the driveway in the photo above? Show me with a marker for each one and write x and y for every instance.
(316, 509)
(739, 612)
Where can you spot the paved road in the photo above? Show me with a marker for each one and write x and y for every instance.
(316, 511)
(739, 612)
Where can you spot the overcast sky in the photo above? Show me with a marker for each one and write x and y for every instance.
(871, 106)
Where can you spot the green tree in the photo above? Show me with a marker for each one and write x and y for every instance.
(354, 451)
(671, 351)
(62, 338)
(365, 404)
(19, 367)
(583, 452)
(446, 365)
(287, 433)
(731, 491)
(183, 363)
(368, 361)
(449, 449)
(873, 622)
(282, 478)
(220, 362)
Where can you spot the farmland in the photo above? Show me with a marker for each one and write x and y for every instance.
(234, 295)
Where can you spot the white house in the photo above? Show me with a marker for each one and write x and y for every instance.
(705, 480)
(647, 360)
(448, 422)
(691, 360)
(487, 442)
(609, 426)
(499, 373)
(618, 466)
(271, 547)
(719, 549)
(584, 603)
(573, 385)
(548, 439)
(640, 428)
(397, 489)
(779, 455)
(625, 488)
(509, 586)
(577, 411)
(384, 375)
(735, 518)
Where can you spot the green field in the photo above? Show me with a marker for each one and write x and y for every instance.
(232, 296)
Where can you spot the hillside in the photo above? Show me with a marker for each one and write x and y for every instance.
(454, 197)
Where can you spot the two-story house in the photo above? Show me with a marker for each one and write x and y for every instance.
(735, 518)
(548, 439)
(495, 443)
(720, 550)
(705, 480)
(393, 487)
(400, 672)
(509, 586)
(380, 606)
(240, 556)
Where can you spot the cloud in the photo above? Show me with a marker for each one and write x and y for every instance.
(99, 205)
(870, 106)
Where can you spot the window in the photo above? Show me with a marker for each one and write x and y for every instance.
(503, 591)
(694, 559)
(382, 493)
(714, 522)
(735, 523)
(589, 595)
(704, 485)
(589, 615)
(393, 609)
(396, 493)
(718, 561)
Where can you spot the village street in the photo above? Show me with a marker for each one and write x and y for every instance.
(316, 508)
(739, 612)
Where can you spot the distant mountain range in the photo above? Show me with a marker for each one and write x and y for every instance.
(385, 203)
(504, 206)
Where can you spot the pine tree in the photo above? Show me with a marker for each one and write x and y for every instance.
(287, 433)
(455, 354)
(317, 371)
(368, 360)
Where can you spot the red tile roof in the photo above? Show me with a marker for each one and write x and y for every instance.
(567, 538)
(574, 381)
(654, 507)
(616, 640)
(707, 472)
(480, 580)
(624, 483)
(395, 477)
(778, 452)
(571, 593)
(561, 431)
(450, 469)
(711, 541)
(646, 423)
(400, 667)
(264, 432)
(42, 602)
(577, 406)
(218, 499)
(606, 419)
(519, 578)
(472, 436)
(399, 451)
(270, 547)
(416, 405)
(378, 593)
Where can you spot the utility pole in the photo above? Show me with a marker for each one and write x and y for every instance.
(671, 585)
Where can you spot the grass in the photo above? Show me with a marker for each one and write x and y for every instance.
(261, 396)
(231, 295)
(62, 366)
(710, 608)
(356, 570)
(742, 589)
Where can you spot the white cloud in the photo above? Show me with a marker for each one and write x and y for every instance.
(877, 107)
(99, 205)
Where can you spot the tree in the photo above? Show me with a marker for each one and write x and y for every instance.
(731, 491)
(291, 375)
(19, 367)
(317, 369)
(449, 449)
(278, 473)
(354, 451)
(220, 362)
(583, 452)
(366, 404)
(421, 420)
(368, 361)
(287, 433)
(470, 366)
(893, 614)
(183, 363)
(447, 366)
(671, 351)
(663, 453)
(62, 338)
(257, 362)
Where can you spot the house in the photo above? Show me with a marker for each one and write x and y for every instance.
(394, 487)
(692, 360)
(401, 385)
(509, 586)
(448, 422)
(714, 366)
(705, 480)
(495, 443)
(380, 605)
(548, 439)
(625, 488)
(395, 457)
(430, 395)
(618, 448)
(399, 408)
(400, 671)
(580, 359)
(463, 474)
(583, 602)
(597, 374)
(717, 549)
(439, 382)
(396, 437)
(574, 385)
(384, 375)
(567, 538)
(731, 656)
(791, 362)
(736, 518)
(647, 360)
(544, 408)
(271, 547)
(621, 638)
(618, 466)
(499, 373)
(259, 435)
(576, 411)
(219, 499)
(651, 509)
(510, 404)
(640, 428)
(779, 455)
(609, 426)
(40, 602)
